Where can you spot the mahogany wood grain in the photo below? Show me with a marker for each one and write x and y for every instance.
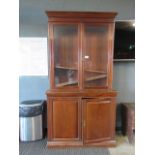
(97, 117)
(78, 14)
(51, 54)
(49, 118)
(110, 54)
(82, 93)
(65, 119)
(60, 16)
(81, 109)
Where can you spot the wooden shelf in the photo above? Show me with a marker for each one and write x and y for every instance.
(66, 83)
(96, 77)
(72, 68)
(67, 68)
(95, 71)
(89, 79)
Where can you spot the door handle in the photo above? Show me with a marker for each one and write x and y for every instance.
(84, 123)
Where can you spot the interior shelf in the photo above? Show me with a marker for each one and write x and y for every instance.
(72, 68)
(67, 68)
(96, 77)
(88, 79)
(66, 83)
(95, 71)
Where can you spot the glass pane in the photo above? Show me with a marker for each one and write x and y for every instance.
(95, 56)
(66, 55)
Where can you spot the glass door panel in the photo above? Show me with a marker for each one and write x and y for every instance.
(95, 55)
(66, 55)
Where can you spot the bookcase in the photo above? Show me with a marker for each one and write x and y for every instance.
(80, 101)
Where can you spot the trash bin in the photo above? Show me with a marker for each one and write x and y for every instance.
(30, 117)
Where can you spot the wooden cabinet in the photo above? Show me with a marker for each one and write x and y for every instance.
(81, 102)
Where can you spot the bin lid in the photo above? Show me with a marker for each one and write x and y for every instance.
(31, 108)
(31, 103)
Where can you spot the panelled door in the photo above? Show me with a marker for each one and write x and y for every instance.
(64, 117)
(98, 118)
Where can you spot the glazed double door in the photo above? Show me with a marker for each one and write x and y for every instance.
(77, 121)
(81, 55)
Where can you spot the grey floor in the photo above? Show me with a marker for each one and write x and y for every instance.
(39, 148)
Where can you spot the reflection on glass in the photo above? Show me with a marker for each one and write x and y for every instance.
(95, 56)
(66, 55)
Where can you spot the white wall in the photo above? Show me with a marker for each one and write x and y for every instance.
(124, 81)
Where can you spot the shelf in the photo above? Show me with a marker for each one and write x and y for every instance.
(96, 77)
(95, 71)
(89, 79)
(71, 68)
(67, 68)
(66, 83)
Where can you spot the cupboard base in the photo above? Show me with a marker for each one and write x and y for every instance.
(85, 121)
(109, 143)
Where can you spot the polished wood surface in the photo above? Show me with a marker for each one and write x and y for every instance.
(65, 112)
(97, 117)
(64, 116)
(78, 14)
(60, 16)
(87, 93)
(81, 102)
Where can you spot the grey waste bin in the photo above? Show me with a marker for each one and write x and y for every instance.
(30, 120)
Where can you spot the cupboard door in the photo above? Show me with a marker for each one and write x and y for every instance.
(64, 119)
(95, 55)
(65, 47)
(99, 120)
